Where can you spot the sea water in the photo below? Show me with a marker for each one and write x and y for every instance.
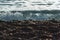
(18, 15)
(29, 9)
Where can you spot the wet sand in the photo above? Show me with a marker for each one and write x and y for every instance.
(30, 30)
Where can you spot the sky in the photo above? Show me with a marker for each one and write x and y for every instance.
(21, 5)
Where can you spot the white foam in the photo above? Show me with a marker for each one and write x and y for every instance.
(30, 5)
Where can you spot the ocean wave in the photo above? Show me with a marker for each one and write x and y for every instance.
(26, 15)
(8, 5)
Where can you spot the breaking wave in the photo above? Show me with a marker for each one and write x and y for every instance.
(26, 15)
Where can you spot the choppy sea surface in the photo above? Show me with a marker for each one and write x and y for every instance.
(27, 15)
(29, 9)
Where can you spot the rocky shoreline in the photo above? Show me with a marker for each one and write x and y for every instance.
(30, 30)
